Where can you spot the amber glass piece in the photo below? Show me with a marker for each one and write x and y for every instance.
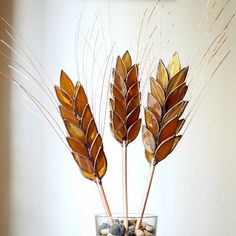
(162, 75)
(77, 86)
(127, 60)
(149, 156)
(148, 140)
(154, 106)
(77, 146)
(133, 91)
(133, 116)
(157, 91)
(133, 131)
(119, 134)
(66, 84)
(116, 120)
(80, 101)
(112, 104)
(68, 115)
(74, 131)
(133, 103)
(119, 83)
(176, 110)
(118, 95)
(132, 76)
(176, 140)
(169, 129)
(178, 79)
(88, 175)
(180, 125)
(91, 132)
(176, 96)
(64, 98)
(97, 143)
(151, 122)
(120, 67)
(84, 164)
(120, 110)
(86, 117)
(174, 65)
(100, 163)
(164, 149)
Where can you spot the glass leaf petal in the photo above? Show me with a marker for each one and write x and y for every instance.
(96, 145)
(174, 65)
(100, 163)
(120, 67)
(149, 156)
(91, 132)
(180, 125)
(77, 146)
(132, 92)
(80, 101)
(64, 98)
(68, 115)
(169, 129)
(176, 141)
(74, 131)
(133, 117)
(88, 175)
(154, 106)
(118, 125)
(151, 122)
(120, 110)
(118, 136)
(119, 83)
(66, 84)
(112, 104)
(157, 91)
(115, 92)
(176, 96)
(148, 140)
(133, 131)
(178, 79)
(162, 75)
(133, 103)
(164, 149)
(132, 76)
(127, 60)
(86, 117)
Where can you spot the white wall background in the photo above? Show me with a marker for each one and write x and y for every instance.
(194, 189)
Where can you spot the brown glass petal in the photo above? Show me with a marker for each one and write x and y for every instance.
(119, 83)
(174, 65)
(84, 164)
(178, 79)
(133, 103)
(77, 146)
(68, 115)
(162, 75)
(118, 95)
(66, 84)
(100, 163)
(176, 141)
(64, 98)
(80, 101)
(148, 140)
(96, 145)
(91, 132)
(133, 91)
(149, 156)
(88, 175)
(132, 76)
(117, 121)
(176, 110)
(151, 122)
(154, 106)
(77, 86)
(169, 129)
(180, 125)
(133, 117)
(133, 131)
(164, 149)
(120, 67)
(74, 131)
(119, 135)
(176, 96)
(157, 91)
(86, 117)
(127, 60)
(120, 110)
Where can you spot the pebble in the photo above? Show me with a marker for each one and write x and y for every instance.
(146, 233)
(115, 229)
(149, 228)
(139, 232)
(105, 231)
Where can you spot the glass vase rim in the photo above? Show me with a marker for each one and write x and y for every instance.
(118, 215)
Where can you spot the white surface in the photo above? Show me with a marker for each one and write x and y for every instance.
(194, 190)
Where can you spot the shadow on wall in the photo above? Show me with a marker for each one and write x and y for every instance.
(6, 7)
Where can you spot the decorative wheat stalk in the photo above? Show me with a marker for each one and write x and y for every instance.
(84, 139)
(124, 112)
(165, 105)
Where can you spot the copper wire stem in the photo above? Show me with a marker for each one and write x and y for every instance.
(104, 201)
(125, 185)
(146, 194)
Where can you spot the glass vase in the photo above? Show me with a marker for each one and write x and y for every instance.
(148, 226)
